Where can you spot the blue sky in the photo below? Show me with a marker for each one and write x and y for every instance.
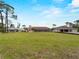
(45, 12)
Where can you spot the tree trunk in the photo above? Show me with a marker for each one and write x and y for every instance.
(2, 25)
(6, 20)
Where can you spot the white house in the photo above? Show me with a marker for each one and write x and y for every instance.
(64, 29)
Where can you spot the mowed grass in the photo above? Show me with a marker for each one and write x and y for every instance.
(39, 45)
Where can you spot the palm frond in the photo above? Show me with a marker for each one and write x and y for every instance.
(14, 16)
(9, 8)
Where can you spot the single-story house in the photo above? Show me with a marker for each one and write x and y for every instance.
(64, 29)
(40, 29)
(12, 29)
(17, 30)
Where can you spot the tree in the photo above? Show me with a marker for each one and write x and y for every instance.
(18, 26)
(8, 9)
(53, 25)
(2, 25)
(77, 24)
(69, 24)
(9, 22)
(12, 26)
(24, 26)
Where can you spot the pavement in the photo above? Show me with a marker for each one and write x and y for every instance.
(74, 33)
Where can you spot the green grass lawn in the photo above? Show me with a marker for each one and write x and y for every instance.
(39, 46)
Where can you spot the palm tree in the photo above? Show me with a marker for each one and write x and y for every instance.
(8, 9)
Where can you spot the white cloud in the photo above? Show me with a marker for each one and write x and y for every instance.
(74, 6)
(53, 11)
(56, 11)
(58, 0)
(75, 3)
(34, 1)
(74, 10)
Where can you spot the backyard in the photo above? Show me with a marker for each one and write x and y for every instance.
(39, 46)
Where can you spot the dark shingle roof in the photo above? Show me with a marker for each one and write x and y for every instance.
(40, 28)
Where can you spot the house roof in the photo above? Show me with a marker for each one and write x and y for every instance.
(40, 28)
(63, 27)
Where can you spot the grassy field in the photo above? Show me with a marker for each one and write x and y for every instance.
(39, 46)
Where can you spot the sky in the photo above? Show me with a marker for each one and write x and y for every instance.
(45, 12)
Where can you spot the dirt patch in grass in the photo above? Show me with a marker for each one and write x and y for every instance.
(46, 53)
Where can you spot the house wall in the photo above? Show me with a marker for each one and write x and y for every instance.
(56, 30)
(74, 30)
(64, 30)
